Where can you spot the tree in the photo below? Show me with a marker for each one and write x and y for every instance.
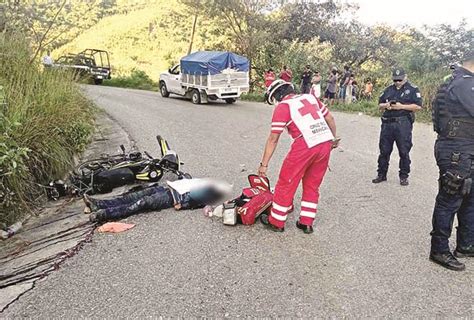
(194, 8)
(450, 42)
(246, 20)
(302, 21)
(49, 23)
(356, 44)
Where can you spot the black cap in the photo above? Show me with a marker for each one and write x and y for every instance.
(398, 74)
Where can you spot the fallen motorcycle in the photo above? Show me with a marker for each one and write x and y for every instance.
(103, 174)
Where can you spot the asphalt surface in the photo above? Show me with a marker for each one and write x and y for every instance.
(368, 257)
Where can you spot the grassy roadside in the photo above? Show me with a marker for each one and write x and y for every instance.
(253, 96)
(44, 121)
(138, 79)
(371, 108)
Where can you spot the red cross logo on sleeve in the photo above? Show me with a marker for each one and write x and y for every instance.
(308, 108)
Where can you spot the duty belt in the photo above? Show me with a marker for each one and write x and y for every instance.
(460, 128)
(394, 119)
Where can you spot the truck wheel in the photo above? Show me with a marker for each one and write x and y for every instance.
(196, 97)
(97, 81)
(163, 90)
(229, 100)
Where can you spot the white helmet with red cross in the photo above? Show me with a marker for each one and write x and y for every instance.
(276, 90)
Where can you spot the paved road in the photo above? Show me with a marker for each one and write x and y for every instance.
(366, 259)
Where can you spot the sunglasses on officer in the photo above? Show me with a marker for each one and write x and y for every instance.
(396, 80)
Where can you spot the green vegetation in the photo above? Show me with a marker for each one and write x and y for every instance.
(257, 96)
(138, 79)
(371, 108)
(44, 121)
(152, 35)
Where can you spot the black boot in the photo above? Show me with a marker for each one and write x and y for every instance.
(306, 229)
(274, 228)
(404, 182)
(447, 260)
(379, 179)
(90, 203)
(98, 216)
(465, 252)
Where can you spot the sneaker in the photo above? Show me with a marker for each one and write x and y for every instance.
(379, 179)
(306, 229)
(467, 252)
(404, 182)
(447, 260)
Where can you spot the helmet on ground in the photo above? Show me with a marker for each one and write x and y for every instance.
(277, 90)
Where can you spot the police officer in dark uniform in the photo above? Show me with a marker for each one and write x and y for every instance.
(398, 103)
(453, 120)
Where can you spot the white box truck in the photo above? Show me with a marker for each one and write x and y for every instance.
(207, 75)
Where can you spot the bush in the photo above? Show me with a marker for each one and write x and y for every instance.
(44, 122)
(138, 79)
(371, 108)
(253, 96)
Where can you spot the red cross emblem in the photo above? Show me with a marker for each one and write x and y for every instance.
(308, 108)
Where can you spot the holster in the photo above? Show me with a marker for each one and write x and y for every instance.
(457, 179)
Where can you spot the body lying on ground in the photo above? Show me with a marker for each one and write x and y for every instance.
(180, 194)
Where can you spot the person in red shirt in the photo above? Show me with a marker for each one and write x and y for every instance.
(286, 74)
(269, 77)
(313, 129)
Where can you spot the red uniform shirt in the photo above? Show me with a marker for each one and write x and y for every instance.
(286, 75)
(269, 78)
(282, 119)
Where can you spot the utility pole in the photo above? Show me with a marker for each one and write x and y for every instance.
(193, 32)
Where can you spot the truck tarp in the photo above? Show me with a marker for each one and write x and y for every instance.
(212, 62)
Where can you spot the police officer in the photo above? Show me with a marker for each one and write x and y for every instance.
(453, 120)
(398, 103)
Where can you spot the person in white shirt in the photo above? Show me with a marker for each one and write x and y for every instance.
(48, 60)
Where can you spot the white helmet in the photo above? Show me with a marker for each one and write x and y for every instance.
(274, 90)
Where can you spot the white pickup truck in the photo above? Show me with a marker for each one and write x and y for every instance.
(207, 75)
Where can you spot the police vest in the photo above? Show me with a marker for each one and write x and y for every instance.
(443, 121)
(439, 112)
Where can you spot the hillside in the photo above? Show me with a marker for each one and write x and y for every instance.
(148, 39)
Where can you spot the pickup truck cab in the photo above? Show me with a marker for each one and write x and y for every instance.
(90, 63)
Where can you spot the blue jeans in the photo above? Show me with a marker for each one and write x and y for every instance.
(342, 92)
(400, 132)
(447, 205)
(151, 198)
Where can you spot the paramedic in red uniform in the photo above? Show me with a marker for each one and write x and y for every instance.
(313, 129)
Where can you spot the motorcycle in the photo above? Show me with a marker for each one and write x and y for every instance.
(103, 174)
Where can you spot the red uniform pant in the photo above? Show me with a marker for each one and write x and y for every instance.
(301, 163)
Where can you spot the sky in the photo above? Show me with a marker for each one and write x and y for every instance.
(415, 12)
